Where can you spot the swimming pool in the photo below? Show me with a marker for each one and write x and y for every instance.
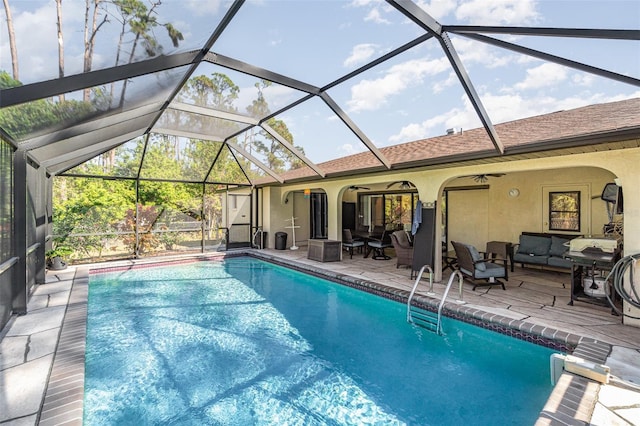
(247, 342)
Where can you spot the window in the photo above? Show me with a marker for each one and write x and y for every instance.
(564, 211)
(391, 210)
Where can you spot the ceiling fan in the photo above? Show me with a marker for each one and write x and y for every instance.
(482, 178)
(403, 184)
(356, 188)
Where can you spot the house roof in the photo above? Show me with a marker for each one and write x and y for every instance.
(588, 127)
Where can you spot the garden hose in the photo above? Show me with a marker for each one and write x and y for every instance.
(616, 276)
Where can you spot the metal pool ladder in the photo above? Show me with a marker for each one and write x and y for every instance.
(427, 319)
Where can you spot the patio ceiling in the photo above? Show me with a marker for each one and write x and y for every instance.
(287, 99)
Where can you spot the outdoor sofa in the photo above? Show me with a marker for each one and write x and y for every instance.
(542, 249)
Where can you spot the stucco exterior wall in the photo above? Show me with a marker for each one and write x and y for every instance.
(508, 216)
(511, 215)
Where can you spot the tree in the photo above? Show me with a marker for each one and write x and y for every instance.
(91, 28)
(142, 22)
(90, 209)
(12, 40)
(277, 156)
(216, 91)
(60, 43)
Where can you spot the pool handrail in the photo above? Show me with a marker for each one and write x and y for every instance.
(446, 293)
(415, 286)
(455, 273)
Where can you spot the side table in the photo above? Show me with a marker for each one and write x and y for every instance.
(503, 249)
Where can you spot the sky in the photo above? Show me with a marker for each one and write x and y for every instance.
(412, 96)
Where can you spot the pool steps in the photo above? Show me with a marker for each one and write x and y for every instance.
(431, 320)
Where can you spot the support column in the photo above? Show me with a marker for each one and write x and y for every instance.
(19, 286)
(40, 206)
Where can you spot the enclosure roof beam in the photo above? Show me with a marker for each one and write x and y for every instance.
(64, 162)
(292, 149)
(255, 161)
(245, 68)
(187, 134)
(45, 89)
(555, 59)
(210, 112)
(355, 129)
(546, 32)
(91, 126)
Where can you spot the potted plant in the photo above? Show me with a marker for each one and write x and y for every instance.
(56, 257)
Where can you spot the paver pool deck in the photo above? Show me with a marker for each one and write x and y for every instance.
(42, 352)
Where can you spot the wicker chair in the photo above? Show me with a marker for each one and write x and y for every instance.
(478, 270)
(403, 248)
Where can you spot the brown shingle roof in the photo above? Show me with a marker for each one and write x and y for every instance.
(539, 131)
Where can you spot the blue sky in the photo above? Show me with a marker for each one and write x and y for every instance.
(412, 96)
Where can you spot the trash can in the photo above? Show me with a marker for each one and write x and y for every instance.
(281, 240)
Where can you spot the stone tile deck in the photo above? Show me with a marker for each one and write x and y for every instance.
(41, 386)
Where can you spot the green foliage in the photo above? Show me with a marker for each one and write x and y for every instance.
(61, 251)
(146, 217)
(89, 206)
(278, 158)
(23, 120)
(142, 21)
(6, 81)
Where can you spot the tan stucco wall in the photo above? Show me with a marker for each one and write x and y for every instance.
(509, 216)
(523, 213)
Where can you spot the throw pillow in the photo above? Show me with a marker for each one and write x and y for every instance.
(475, 255)
(558, 246)
(535, 245)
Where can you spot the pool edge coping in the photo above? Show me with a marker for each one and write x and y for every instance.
(572, 400)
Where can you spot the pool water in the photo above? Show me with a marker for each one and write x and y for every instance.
(246, 342)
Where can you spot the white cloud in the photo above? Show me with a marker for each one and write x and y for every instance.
(360, 54)
(498, 12)
(441, 85)
(438, 9)
(545, 75)
(583, 79)
(36, 43)
(501, 109)
(209, 7)
(471, 51)
(349, 149)
(437, 125)
(360, 3)
(374, 15)
(370, 95)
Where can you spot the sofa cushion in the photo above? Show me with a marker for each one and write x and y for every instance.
(557, 247)
(492, 270)
(530, 258)
(534, 245)
(559, 262)
(475, 255)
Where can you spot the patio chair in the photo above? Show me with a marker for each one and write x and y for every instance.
(378, 246)
(349, 243)
(403, 248)
(478, 270)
